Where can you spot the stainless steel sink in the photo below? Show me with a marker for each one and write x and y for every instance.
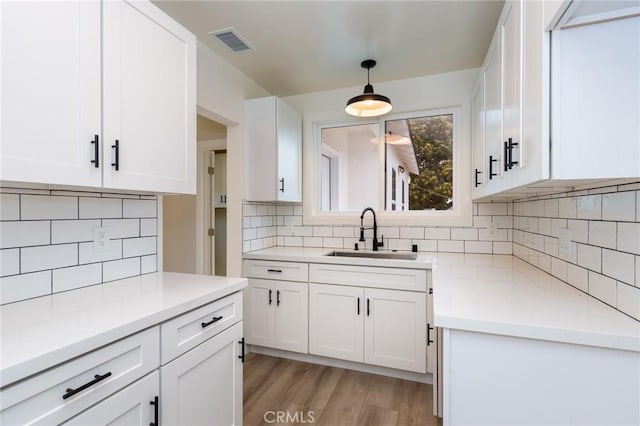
(374, 254)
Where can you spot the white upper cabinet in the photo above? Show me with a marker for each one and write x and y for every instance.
(596, 99)
(78, 76)
(149, 99)
(50, 90)
(274, 151)
(478, 154)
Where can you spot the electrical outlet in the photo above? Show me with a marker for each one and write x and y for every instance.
(101, 238)
(492, 229)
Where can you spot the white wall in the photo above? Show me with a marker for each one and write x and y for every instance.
(222, 90)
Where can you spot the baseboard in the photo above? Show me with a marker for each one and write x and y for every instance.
(349, 365)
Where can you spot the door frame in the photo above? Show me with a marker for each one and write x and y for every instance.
(203, 201)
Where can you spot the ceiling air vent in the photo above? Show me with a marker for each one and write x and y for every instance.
(231, 39)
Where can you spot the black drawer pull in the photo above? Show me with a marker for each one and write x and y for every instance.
(241, 356)
(506, 156)
(97, 378)
(207, 324)
(282, 185)
(278, 298)
(116, 163)
(511, 145)
(96, 151)
(429, 328)
(279, 271)
(491, 161)
(358, 306)
(368, 307)
(156, 405)
(477, 173)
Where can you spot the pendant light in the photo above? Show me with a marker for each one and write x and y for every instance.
(393, 139)
(369, 104)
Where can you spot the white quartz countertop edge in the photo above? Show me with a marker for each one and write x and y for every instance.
(165, 301)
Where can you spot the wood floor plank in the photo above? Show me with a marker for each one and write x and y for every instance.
(329, 396)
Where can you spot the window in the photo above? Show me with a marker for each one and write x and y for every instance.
(408, 167)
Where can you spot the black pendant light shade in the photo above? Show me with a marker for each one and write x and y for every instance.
(369, 104)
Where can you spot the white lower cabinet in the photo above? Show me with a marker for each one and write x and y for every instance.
(204, 385)
(376, 326)
(134, 405)
(276, 314)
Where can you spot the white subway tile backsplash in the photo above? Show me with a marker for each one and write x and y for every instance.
(618, 265)
(619, 206)
(567, 208)
(344, 231)
(119, 269)
(77, 276)
(302, 231)
(437, 233)
(322, 231)
(551, 208)
(9, 262)
(22, 234)
(39, 258)
(464, 234)
(589, 207)
(602, 234)
(250, 209)
(138, 246)
(578, 277)
(9, 207)
(87, 253)
(95, 208)
(602, 288)
(284, 210)
(312, 241)
(579, 230)
(149, 264)
(256, 221)
(590, 257)
(559, 268)
(628, 237)
(25, 286)
(122, 228)
(426, 245)
(628, 300)
(389, 231)
(35, 207)
(139, 208)
(638, 271)
(72, 231)
(490, 209)
(451, 246)
(332, 242)
(502, 247)
(395, 244)
(416, 233)
(478, 247)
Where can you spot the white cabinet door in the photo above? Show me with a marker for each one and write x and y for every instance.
(134, 405)
(289, 130)
(596, 100)
(478, 152)
(220, 179)
(292, 316)
(395, 329)
(336, 319)
(260, 305)
(149, 99)
(50, 90)
(511, 90)
(492, 75)
(204, 386)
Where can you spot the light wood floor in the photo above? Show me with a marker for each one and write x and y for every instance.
(336, 397)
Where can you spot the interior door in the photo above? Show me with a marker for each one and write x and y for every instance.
(149, 99)
(336, 321)
(50, 90)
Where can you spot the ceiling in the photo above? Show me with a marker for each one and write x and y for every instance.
(309, 46)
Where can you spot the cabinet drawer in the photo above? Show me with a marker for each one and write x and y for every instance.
(286, 271)
(189, 330)
(369, 276)
(40, 399)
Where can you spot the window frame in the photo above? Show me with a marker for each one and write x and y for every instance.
(461, 215)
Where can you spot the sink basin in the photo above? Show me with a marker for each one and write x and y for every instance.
(374, 254)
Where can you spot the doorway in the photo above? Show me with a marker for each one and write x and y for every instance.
(217, 212)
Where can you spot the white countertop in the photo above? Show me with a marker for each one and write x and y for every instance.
(39, 333)
(499, 294)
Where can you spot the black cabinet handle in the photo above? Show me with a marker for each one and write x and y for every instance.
(156, 405)
(221, 199)
(270, 298)
(282, 185)
(241, 356)
(478, 172)
(278, 298)
(491, 161)
(96, 151)
(505, 156)
(116, 163)
(430, 290)
(512, 144)
(225, 199)
(368, 308)
(97, 378)
(279, 271)
(358, 306)
(429, 328)
(214, 320)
